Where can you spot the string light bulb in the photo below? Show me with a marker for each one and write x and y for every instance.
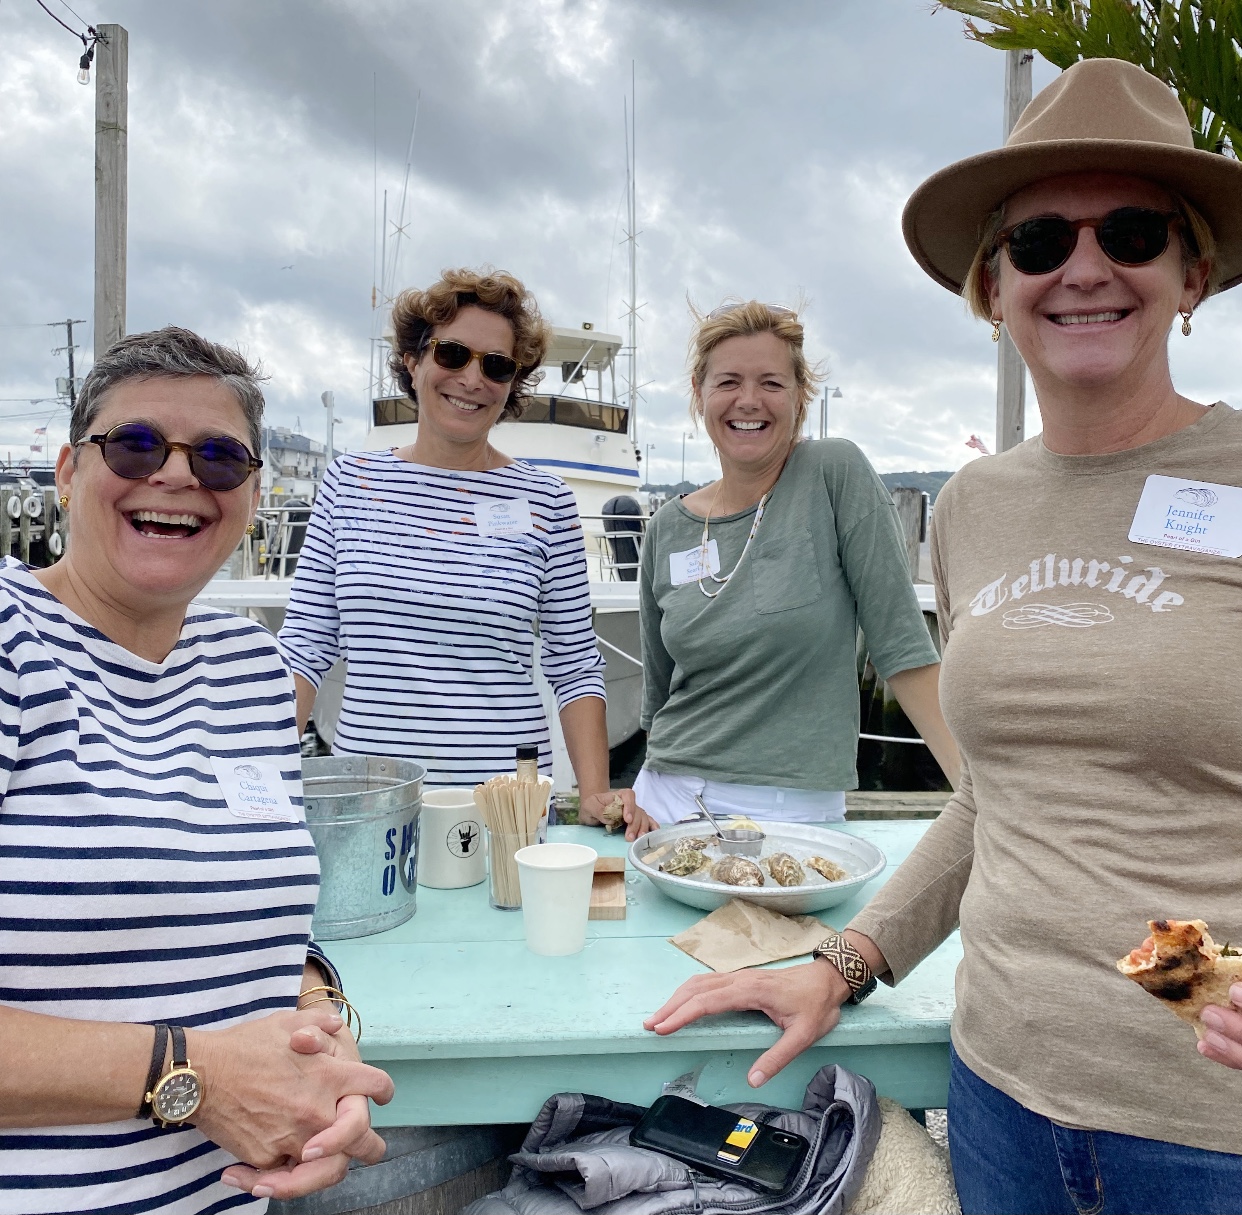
(84, 66)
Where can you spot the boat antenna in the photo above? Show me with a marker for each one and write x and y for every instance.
(388, 285)
(382, 299)
(631, 239)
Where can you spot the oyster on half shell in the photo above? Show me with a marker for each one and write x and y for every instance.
(828, 870)
(785, 870)
(696, 841)
(685, 860)
(737, 871)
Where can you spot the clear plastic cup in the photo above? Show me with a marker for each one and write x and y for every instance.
(556, 896)
(504, 891)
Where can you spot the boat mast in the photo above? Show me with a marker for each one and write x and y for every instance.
(383, 296)
(631, 239)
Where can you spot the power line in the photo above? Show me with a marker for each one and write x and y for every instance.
(59, 22)
(25, 417)
(89, 40)
(78, 15)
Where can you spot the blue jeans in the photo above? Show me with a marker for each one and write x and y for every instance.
(1008, 1160)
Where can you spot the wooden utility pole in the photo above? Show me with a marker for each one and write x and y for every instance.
(1010, 369)
(111, 193)
(911, 507)
(72, 383)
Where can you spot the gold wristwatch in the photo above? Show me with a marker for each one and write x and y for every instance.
(178, 1093)
(853, 967)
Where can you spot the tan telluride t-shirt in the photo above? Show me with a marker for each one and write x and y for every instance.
(1094, 686)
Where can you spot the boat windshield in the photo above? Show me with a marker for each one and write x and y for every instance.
(560, 411)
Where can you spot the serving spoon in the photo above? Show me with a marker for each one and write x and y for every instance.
(742, 841)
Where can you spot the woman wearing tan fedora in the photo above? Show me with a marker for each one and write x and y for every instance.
(1089, 594)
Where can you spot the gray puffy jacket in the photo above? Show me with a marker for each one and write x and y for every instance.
(577, 1157)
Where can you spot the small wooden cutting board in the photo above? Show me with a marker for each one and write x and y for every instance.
(608, 889)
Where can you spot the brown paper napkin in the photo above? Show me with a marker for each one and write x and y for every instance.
(742, 934)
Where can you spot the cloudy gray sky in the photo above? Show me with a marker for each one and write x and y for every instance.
(776, 144)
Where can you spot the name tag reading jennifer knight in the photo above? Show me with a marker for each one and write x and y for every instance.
(503, 517)
(693, 564)
(253, 789)
(1199, 516)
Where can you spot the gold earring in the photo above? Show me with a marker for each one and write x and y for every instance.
(1186, 323)
(64, 499)
(995, 330)
(249, 529)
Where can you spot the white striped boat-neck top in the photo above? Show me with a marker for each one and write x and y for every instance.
(128, 891)
(406, 573)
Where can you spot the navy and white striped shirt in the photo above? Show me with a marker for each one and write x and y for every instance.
(437, 618)
(128, 891)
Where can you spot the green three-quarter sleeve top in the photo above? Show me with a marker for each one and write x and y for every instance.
(759, 686)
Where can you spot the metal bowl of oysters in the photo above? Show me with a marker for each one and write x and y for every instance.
(802, 867)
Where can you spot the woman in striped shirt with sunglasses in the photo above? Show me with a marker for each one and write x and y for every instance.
(432, 566)
(138, 885)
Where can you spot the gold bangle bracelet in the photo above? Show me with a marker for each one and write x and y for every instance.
(334, 995)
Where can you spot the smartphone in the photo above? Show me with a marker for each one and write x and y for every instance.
(723, 1144)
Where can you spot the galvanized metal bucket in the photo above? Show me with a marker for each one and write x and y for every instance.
(362, 811)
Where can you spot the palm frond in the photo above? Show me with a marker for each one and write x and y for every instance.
(1194, 46)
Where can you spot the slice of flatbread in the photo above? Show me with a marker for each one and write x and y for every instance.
(1183, 968)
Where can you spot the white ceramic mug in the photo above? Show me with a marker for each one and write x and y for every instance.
(450, 852)
(556, 896)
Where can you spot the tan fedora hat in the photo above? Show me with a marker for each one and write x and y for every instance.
(1099, 116)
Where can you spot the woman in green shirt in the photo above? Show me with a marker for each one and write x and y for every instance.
(752, 592)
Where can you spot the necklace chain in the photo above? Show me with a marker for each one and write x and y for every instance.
(721, 583)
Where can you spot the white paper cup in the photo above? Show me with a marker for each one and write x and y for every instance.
(450, 840)
(556, 896)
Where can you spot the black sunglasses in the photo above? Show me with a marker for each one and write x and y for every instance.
(135, 451)
(1129, 236)
(453, 356)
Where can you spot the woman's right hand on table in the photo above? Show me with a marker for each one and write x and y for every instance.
(276, 1086)
(805, 1001)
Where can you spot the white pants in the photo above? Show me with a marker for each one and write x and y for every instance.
(668, 799)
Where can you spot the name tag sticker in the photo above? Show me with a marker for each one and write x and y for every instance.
(1197, 516)
(253, 789)
(693, 564)
(503, 517)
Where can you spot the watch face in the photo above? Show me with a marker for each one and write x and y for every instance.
(177, 1096)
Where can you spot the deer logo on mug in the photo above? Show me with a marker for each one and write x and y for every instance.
(463, 839)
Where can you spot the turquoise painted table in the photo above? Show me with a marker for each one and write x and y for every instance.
(474, 1028)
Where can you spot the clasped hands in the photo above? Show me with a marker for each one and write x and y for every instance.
(287, 1095)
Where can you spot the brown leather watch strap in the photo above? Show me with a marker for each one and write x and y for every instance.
(158, 1050)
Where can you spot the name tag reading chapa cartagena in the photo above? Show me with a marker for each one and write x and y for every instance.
(693, 564)
(503, 517)
(1198, 516)
(253, 789)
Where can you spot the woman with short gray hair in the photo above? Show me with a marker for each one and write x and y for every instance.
(154, 921)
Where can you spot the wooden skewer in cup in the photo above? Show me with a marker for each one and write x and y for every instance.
(513, 811)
